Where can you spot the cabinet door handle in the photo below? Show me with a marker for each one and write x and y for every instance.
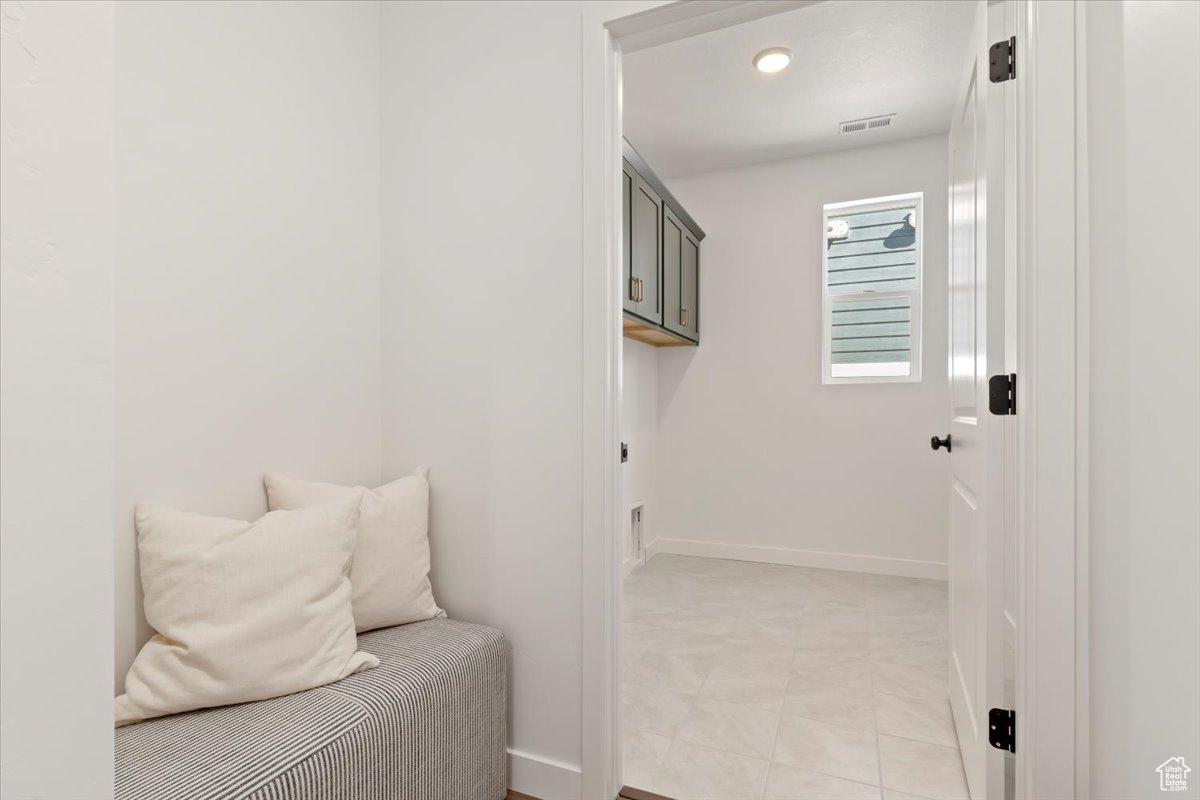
(641, 290)
(684, 316)
(633, 288)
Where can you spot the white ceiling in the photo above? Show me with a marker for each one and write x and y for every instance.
(699, 105)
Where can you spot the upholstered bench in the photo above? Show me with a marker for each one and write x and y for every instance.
(427, 724)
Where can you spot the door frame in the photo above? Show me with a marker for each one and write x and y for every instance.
(1052, 413)
(1049, 503)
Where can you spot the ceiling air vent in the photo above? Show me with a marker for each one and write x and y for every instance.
(867, 124)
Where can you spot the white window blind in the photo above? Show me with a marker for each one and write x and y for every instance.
(872, 283)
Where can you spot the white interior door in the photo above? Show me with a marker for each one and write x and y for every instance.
(976, 556)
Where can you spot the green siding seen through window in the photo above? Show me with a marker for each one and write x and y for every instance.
(871, 331)
(872, 289)
(879, 254)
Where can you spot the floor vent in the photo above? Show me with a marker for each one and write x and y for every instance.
(867, 124)
(635, 532)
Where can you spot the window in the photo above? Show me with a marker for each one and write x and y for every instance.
(872, 290)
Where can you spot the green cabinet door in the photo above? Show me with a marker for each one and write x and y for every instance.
(629, 291)
(681, 277)
(642, 295)
(672, 270)
(690, 286)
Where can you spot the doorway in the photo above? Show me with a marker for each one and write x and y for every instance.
(603, 76)
(791, 634)
(793, 641)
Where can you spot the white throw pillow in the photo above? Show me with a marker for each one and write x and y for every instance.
(390, 573)
(244, 610)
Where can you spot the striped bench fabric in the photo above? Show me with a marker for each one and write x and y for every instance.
(427, 724)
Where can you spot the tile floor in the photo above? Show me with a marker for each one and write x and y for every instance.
(768, 682)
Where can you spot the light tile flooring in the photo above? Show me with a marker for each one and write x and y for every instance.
(768, 682)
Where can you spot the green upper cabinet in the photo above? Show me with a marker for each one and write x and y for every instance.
(661, 258)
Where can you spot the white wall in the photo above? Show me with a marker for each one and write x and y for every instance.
(56, 399)
(639, 429)
(1143, 73)
(482, 339)
(756, 452)
(247, 329)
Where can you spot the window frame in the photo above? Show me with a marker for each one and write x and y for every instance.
(916, 199)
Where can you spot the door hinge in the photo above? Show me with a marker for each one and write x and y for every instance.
(1002, 394)
(1002, 729)
(1003, 59)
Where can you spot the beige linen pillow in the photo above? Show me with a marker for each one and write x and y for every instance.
(390, 573)
(244, 610)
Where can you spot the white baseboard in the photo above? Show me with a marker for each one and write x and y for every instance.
(876, 565)
(543, 777)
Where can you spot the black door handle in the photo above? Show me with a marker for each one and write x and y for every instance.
(935, 443)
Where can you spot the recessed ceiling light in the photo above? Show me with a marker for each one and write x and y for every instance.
(773, 59)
